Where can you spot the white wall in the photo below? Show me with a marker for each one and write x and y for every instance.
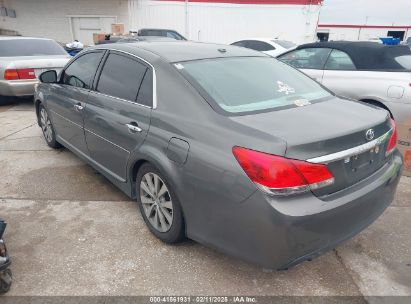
(226, 23)
(48, 18)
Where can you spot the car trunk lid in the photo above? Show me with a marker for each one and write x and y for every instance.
(326, 128)
(40, 64)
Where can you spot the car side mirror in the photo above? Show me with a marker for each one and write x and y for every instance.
(48, 76)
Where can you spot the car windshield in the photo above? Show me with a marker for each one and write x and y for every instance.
(285, 44)
(30, 47)
(248, 84)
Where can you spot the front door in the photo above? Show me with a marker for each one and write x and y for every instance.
(67, 99)
(341, 77)
(117, 116)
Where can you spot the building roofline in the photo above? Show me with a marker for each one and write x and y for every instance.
(259, 2)
(365, 26)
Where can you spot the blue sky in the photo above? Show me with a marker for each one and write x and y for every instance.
(374, 12)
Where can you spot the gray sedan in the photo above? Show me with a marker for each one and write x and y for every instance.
(23, 59)
(225, 145)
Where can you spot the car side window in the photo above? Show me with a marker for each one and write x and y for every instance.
(339, 60)
(121, 77)
(260, 46)
(309, 58)
(80, 73)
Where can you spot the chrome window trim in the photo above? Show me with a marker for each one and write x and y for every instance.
(154, 78)
(120, 99)
(352, 151)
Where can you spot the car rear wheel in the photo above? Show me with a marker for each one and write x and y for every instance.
(159, 205)
(47, 128)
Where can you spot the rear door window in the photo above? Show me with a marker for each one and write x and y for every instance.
(309, 58)
(121, 77)
(339, 60)
(80, 73)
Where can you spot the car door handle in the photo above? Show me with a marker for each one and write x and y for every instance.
(133, 127)
(78, 107)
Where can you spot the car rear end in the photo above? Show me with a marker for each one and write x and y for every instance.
(337, 174)
(22, 60)
(325, 191)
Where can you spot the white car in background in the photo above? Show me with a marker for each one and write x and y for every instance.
(23, 59)
(370, 72)
(269, 46)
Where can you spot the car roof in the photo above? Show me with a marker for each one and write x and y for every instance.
(366, 55)
(157, 29)
(177, 51)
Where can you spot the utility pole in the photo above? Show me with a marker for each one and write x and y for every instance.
(186, 19)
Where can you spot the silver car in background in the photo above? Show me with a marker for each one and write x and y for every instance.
(23, 59)
(367, 71)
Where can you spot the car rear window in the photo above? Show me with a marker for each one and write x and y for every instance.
(30, 47)
(249, 84)
(285, 44)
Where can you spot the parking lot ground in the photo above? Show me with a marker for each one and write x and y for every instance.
(70, 232)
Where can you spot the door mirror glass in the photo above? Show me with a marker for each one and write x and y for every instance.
(48, 76)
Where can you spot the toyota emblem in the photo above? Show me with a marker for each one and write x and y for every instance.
(369, 135)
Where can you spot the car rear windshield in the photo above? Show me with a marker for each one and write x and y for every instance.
(30, 47)
(250, 84)
(285, 44)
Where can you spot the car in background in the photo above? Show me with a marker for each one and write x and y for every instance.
(225, 145)
(159, 32)
(370, 72)
(23, 59)
(272, 47)
(132, 39)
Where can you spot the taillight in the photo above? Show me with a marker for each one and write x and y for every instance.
(282, 176)
(11, 74)
(14, 74)
(393, 139)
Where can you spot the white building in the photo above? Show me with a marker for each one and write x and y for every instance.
(62, 20)
(206, 20)
(365, 19)
(225, 21)
(354, 32)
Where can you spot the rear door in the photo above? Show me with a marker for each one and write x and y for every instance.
(311, 61)
(66, 101)
(117, 116)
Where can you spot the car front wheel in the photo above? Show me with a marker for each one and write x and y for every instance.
(47, 128)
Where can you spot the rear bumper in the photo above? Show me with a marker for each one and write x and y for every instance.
(278, 233)
(17, 87)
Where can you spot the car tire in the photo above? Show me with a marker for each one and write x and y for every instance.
(47, 128)
(5, 280)
(158, 204)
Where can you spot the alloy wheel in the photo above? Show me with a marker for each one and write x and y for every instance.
(46, 125)
(156, 200)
